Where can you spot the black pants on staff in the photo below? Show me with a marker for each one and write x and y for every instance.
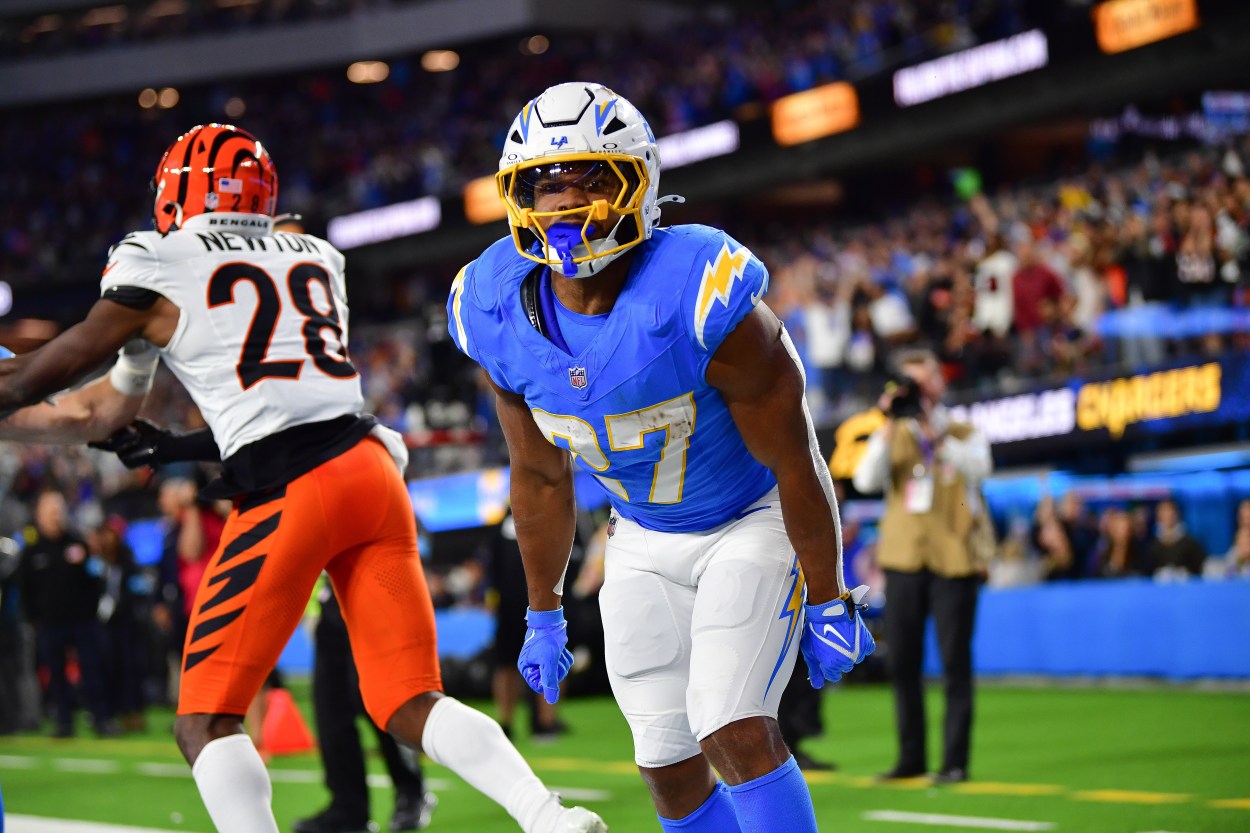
(85, 637)
(910, 599)
(336, 705)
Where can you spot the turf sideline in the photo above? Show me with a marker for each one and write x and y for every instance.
(38, 824)
(978, 822)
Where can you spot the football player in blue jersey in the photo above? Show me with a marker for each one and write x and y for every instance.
(643, 355)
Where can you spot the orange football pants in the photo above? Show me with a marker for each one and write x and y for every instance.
(352, 517)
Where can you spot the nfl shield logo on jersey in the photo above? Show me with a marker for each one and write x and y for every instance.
(577, 377)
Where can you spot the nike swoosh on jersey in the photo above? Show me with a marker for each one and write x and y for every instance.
(756, 296)
(742, 515)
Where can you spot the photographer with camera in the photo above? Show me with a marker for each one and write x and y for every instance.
(930, 469)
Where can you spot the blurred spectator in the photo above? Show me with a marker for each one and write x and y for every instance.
(1081, 528)
(1015, 566)
(1119, 552)
(1236, 562)
(61, 591)
(1243, 514)
(507, 578)
(1174, 551)
(995, 308)
(125, 612)
(170, 609)
(1059, 559)
(19, 687)
(1037, 294)
(200, 526)
(586, 625)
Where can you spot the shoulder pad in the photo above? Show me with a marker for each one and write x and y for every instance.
(477, 293)
(132, 262)
(724, 283)
(136, 240)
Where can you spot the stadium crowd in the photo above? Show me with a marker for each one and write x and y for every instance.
(1111, 265)
(346, 147)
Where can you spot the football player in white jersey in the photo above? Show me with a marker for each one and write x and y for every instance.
(253, 323)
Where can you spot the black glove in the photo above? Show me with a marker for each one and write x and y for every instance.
(141, 443)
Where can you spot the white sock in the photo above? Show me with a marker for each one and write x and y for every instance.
(473, 746)
(235, 786)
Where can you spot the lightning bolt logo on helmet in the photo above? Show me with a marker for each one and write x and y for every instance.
(579, 132)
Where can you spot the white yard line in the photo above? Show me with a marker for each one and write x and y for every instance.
(85, 765)
(36, 824)
(18, 762)
(162, 770)
(935, 819)
(580, 794)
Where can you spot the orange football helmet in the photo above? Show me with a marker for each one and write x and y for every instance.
(213, 167)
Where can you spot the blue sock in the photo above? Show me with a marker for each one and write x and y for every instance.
(716, 815)
(776, 801)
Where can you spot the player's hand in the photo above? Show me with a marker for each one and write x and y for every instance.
(545, 660)
(136, 445)
(835, 637)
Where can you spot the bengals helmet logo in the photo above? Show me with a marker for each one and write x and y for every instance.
(213, 167)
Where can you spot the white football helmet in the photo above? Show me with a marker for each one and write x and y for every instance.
(577, 133)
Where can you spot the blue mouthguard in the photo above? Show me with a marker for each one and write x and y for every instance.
(563, 237)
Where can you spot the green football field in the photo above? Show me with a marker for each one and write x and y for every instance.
(1092, 760)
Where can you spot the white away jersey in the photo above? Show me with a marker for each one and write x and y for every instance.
(261, 344)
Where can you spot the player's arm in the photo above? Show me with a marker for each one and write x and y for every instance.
(542, 501)
(84, 415)
(762, 385)
(93, 411)
(70, 357)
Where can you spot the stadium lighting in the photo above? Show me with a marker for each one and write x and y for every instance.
(105, 16)
(440, 60)
(148, 98)
(536, 45)
(167, 8)
(481, 201)
(368, 72)
(701, 143)
(44, 24)
(1127, 24)
(813, 114)
(378, 224)
(168, 98)
(971, 68)
(235, 107)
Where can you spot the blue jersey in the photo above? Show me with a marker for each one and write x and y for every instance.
(633, 407)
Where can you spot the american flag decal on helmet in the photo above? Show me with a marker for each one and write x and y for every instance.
(577, 377)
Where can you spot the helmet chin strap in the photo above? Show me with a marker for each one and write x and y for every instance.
(174, 208)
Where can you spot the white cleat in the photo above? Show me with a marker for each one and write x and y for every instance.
(579, 820)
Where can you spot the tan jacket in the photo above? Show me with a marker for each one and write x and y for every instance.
(937, 539)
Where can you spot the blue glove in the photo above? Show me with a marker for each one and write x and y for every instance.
(545, 660)
(835, 637)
